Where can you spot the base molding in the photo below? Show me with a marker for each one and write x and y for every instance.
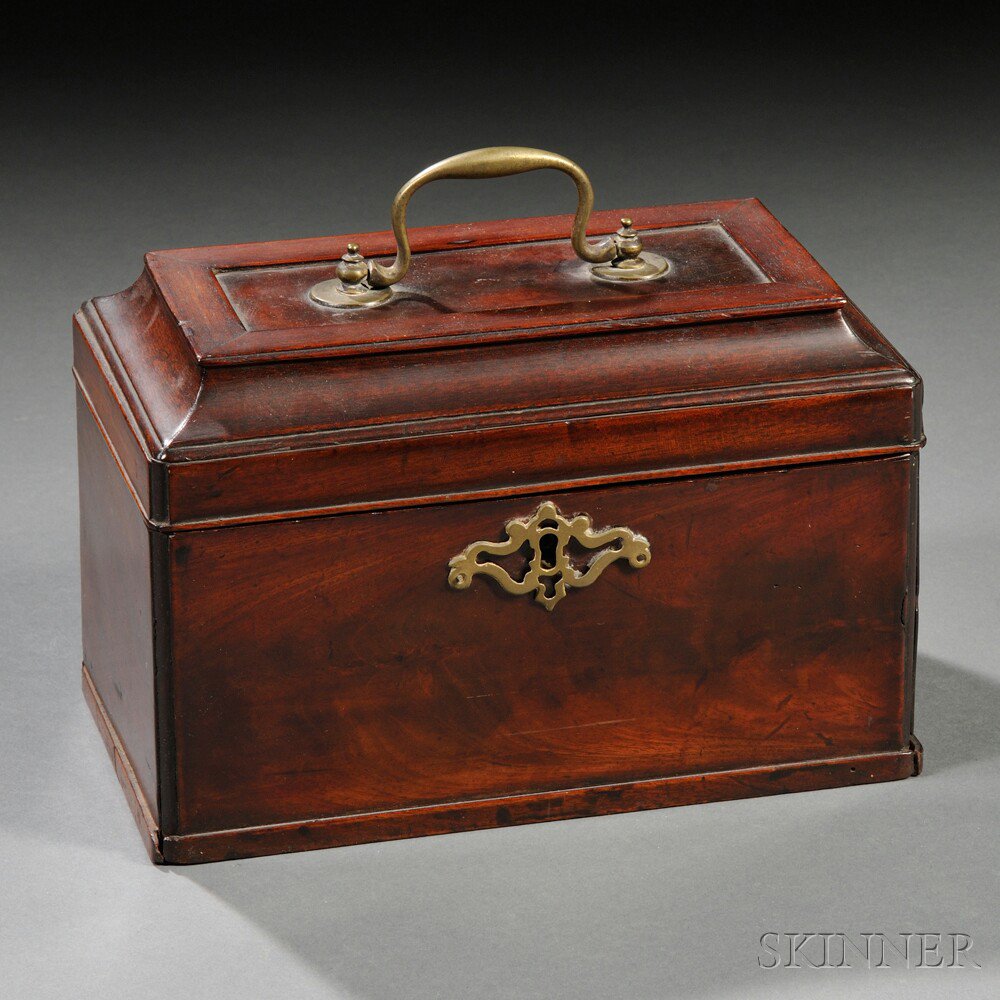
(137, 803)
(482, 814)
(540, 807)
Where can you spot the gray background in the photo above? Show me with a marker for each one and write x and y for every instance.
(874, 140)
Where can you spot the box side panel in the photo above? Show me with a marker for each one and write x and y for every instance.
(325, 667)
(117, 602)
(910, 614)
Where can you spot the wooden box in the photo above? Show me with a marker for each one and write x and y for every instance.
(291, 638)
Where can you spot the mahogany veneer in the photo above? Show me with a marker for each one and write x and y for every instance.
(271, 492)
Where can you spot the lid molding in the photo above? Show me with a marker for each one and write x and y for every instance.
(617, 391)
(228, 319)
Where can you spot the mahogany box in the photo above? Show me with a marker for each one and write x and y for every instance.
(554, 517)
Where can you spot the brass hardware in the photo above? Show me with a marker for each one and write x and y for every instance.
(350, 289)
(630, 263)
(618, 257)
(550, 571)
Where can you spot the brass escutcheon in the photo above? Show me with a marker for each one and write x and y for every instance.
(550, 572)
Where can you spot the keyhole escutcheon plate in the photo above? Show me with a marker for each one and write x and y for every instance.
(550, 572)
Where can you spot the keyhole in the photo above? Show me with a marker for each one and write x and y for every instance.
(547, 547)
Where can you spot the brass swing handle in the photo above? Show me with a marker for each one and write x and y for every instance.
(364, 282)
(494, 161)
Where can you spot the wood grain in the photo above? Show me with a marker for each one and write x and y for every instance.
(226, 845)
(758, 245)
(117, 602)
(140, 807)
(325, 667)
(271, 492)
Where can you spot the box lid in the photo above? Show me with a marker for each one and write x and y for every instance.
(499, 366)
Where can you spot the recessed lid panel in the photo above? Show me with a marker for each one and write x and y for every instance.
(509, 281)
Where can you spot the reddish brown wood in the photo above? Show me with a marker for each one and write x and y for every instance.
(549, 456)
(406, 692)
(265, 441)
(271, 493)
(542, 808)
(140, 807)
(117, 602)
(760, 270)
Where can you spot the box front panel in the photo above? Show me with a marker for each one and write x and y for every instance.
(326, 667)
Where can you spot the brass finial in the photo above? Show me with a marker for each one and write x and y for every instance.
(629, 262)
(351, 288)
(627, 242)
(353, 268)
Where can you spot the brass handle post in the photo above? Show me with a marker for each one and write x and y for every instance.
(620, 256)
